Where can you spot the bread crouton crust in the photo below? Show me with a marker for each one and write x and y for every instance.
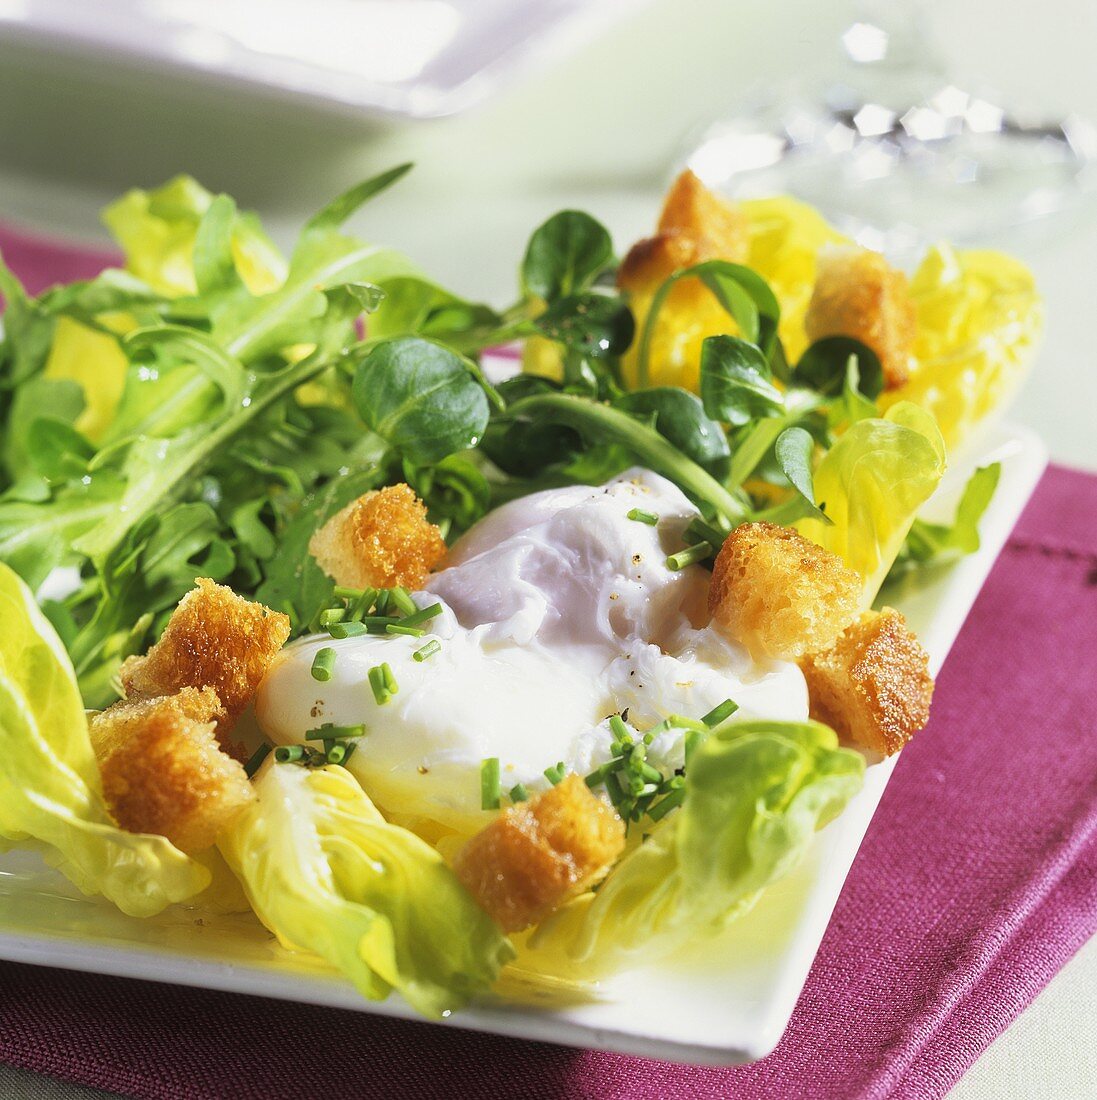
(779, 593)
(380, 540)
(873, 685)
(537, 854)
(693, 209)
(213, 639)
(858, 293)
(163, 771)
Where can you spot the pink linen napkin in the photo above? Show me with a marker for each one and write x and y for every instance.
(976, 883)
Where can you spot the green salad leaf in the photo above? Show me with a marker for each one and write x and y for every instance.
(872, 482)
(326, 873)
(941, 543)
(565, 255)
(756, 792)
(50, 796)
(422, 398)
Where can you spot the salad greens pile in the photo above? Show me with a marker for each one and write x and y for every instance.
(204, 410)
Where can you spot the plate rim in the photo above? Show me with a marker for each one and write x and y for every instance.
(151, 963)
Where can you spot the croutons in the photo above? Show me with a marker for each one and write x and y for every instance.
(163, 771)
(873, 685)
(692, 209)
(215, 639)
(780, 594)
(695, 225)
(859, 294)
(537, 854)
(380, 540)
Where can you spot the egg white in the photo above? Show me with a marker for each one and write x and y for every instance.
(558, 611)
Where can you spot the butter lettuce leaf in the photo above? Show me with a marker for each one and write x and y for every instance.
(326, 873)
(157, 231)
(50, 795)
(871, 484)
(756, 792)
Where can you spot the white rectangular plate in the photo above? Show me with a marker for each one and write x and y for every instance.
(410, 58)
(722, 1001)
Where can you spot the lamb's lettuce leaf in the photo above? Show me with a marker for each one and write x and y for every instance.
(50, 795)
(871, 484)
(756, 792)
(326, 873)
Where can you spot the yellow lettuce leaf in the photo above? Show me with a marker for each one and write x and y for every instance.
(50, 794)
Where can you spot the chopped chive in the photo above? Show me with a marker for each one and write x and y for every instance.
(429, 650)
(381, 604)
(410, 631)
(518, 793)
(556, 773)
(328, 745)
(640, 516)
(422, 616)
(703, 531)
(377, 624)
(347, 630)
(381, 692)
(314, 622)
(600, 773)
(346, 593)
(615, 791)
(635, 784)
(350, 747)
(618, 728)
(690, 556)
(330, 732)
(403, 602)
(332, 615)
(652, 775)
(390, 679)
(690, 742)
(288, 754)
(362, 604)
(337, 754)
(489, 783)
(665, 805)
(255, 761)
(323, 664)
(718, 713)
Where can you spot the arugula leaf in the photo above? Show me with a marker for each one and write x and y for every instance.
(422, 398)
(565, 255)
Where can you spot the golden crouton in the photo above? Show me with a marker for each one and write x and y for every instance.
(380, 540)
(163, 771)
(873, 685)
(779, 593)
(215, 639)
(692, 209)
(537, 854)
(859, 294)
(695, 225)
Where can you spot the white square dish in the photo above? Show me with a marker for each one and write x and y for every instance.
(721, 1001)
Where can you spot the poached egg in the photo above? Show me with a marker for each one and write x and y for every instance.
(558, 611)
